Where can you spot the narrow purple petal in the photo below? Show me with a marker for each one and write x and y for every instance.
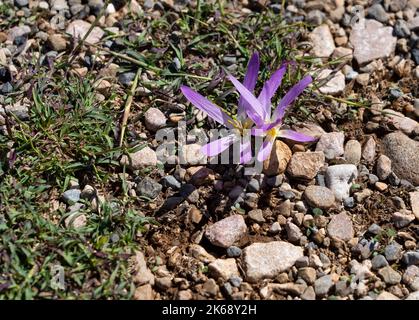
(289, 98)
(270, 87)
(249, 82)
(254, 109)
(266, 148)
(215, 147)
(246, 150)
(296, 136)
(258, 132)
(205, 105)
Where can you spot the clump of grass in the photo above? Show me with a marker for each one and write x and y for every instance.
(70, 133)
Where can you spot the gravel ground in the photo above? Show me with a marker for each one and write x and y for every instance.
(333, 219)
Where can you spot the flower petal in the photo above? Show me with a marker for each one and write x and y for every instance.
(254, 109)
(291, 95)
(266, 148)
(270, 87)
(246, 150)
(215, 147)
(205, 105)
(249, 82)
(258, 132)
(296, 136)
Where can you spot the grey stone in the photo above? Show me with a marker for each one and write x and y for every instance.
(256, 215)
(18, 31)
(411, 277)
(372, 42)
(401, 220)
(413, 296)
(396, 5)
(71, 196)
(343, 289)
(294, 233)
(308, 274)
(339, 179)
(79, 28)
(414, 203)
(253, 185)
(142, 275)
(140, 159)
(323, 43)
(393, 252)
(319, 197)
(227, 231)
(323, 285)
(149, 188)
(22, 3)
(401, 29)
(335, 85)
(349, 202)
(309, 294)
(171, 182)
(315, 17)
(154, 119)
(305, 165)
(389, 275)
(192, 155)
(234, 252)
(411, 258)
(59, 5)
(375, 229)
(223, 268)
(383, 167)
(267, 260)
(368, 152)
(340, 227)
(378, 262)
(126, 78)
(333, 143)
(236, 281)
(373, 179)
(399, 121)
(274, 181)
(352, 152)
(386, 296)
(378, 13)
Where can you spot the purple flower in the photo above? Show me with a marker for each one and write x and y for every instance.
(241, 122)
(261, 112)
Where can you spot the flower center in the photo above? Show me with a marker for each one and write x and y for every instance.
(272, 133)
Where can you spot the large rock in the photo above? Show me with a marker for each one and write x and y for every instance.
(140, 159)
(331, 144)
(352, 152)
(340, 227)
(414, 202)
(400, 122)
(319, 197)
(267, 260)
(322, 39)
(335, 85)
(339, 179)
(78, 29)
(278, 160)
(142, 275)
(227, 231)
(224, 268)
(305, 165)
(404, 155)
(154, 119)
(372, 41)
